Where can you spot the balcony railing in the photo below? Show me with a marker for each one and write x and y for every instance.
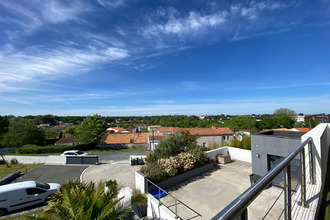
(237, 209)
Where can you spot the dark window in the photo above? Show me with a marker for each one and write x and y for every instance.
(33, 191)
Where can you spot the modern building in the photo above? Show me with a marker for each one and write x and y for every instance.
(269, 148)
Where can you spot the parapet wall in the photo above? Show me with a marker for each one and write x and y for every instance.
(235, 153)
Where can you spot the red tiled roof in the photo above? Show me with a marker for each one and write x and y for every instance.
(208, 131)
(168, 129)
(302, 129)
(66, 140)
(157, 137)
(199, 131)
(125, 138)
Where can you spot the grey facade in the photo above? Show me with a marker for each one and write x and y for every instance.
(268, 148)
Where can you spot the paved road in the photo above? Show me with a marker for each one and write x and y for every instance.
(53, 173)
(113, 156)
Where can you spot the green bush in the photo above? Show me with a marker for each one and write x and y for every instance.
(199, 155)
(154, 171)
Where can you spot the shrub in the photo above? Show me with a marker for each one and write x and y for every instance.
(13, 161)
(154, 171)
(150, 158)
(186, 162)
(199, 155)
(174, 144)
(170, 165)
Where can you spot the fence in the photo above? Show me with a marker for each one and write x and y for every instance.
(161, 193)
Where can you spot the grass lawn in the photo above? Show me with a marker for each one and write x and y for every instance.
(4, 170)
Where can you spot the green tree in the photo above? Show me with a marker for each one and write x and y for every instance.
(285, 122)
(174, 144)
(92, 130)
(78, 200)
(50, 133)
(21, 133)
(310, 122)
(241, 122)
(71, 130)
(4, 123)
(284, 112)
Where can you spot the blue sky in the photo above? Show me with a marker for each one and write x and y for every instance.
(136, 57)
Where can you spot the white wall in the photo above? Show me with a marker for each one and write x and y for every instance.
(240, 154)
(140, 182)
(158, 211)
(37, 159)
(235, 153)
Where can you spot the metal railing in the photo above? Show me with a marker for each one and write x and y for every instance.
(177, 201)
(237, 209)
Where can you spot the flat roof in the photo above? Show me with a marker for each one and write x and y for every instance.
(284, 134)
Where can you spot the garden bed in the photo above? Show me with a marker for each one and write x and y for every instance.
(178, 179)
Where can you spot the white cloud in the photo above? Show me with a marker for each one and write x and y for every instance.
(29, 16)
(178, 24)
(39, 63)
(116, 53)
(112, 3)
(232, 106)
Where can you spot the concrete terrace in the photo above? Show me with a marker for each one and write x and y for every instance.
(211, 192)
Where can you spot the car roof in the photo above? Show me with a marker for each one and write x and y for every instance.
(16, 186)
(70, 151)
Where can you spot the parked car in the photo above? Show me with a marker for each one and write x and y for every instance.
(74, 153)
(24, 194)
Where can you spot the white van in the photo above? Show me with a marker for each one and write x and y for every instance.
(24, 194)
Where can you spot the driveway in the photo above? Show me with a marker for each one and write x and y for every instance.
(53, 173)
(122, 172)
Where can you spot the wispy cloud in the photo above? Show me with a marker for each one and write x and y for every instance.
(239, 106)
(26, 16)
(36, 63)
(112, 3)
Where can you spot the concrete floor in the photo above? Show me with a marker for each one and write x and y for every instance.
(207, 194)
(212, 192)
(122, 172)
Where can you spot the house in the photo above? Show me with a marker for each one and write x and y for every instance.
(67, 141)
(153, 140)
(116, 130)
(206, 136)
(300, 129)
(125, 140)
(153, 128)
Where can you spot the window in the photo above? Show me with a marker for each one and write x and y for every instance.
(204, 144)
(33, 191)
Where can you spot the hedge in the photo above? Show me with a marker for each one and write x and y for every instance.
(33, 149)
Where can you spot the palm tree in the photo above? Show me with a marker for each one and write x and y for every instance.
(78, 200)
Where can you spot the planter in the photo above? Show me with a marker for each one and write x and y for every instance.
(178, 179)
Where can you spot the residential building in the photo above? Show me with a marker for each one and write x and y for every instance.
(126, 140)
(206, 136)
(67, 141)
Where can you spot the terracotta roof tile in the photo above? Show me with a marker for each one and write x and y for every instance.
(302, 129)
(66, 140)
(125, 138)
